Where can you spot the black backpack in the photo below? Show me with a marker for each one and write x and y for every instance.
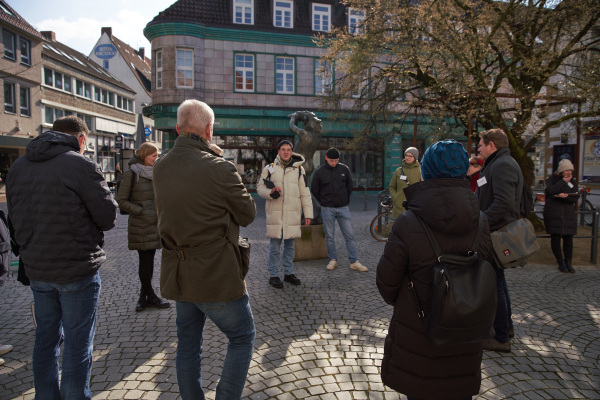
(463, 296)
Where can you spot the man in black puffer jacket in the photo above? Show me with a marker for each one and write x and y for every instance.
(59, 205)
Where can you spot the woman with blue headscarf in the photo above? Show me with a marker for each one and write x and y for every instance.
(412, 364)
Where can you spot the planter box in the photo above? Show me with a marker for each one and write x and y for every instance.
(311, 246)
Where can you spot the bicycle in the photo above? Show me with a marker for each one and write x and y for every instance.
(382, 223)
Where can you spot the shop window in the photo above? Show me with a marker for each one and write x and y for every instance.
(244, 73)
(9, 97)
(284, 14)
(284, 75)
(244, 13)
(185, 68)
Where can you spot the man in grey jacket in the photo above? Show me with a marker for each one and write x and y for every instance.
(59, 205)
(499, 190)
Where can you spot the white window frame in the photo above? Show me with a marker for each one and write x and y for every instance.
(65, 80)
(284, 75)
(244, 72)
(243, 12)
(25, 101)
(123, 103)
(321, 17)
(323, 84)
(10, 100)
(282, 11)
(185, 69)
(356, 17)
(84, 85)
(159, 70)
(25, 55)
(12, 52)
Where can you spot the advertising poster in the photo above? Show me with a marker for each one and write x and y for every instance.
(591, 159)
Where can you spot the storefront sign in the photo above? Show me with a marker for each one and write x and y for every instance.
(119, 142)
(591, 159)
(105, 51)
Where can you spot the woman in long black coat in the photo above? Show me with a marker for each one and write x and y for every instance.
(562, 193)
(412, 364)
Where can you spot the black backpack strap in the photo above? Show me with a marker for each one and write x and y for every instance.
(434, 244)
(479, 231)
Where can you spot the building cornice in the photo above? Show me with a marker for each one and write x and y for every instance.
(237, 35)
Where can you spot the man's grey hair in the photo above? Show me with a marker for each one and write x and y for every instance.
(194, 115)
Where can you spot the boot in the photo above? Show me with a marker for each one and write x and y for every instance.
(569, 266)
(562, 267)
(142, 303)
(152, 300)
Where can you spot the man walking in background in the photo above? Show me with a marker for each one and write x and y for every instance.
(201, 203)
(59, 205)
(332, 187)
(499, 192)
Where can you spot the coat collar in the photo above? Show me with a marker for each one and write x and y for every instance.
(190, 142)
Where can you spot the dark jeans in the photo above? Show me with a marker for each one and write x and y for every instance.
(146, 269)
(502, 321)
(567, 248)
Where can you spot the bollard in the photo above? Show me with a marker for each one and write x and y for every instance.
(594, 250)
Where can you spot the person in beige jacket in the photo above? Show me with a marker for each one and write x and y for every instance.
(201, 203)
(287, 197)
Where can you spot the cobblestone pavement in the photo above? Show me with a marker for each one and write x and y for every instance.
(321, 340)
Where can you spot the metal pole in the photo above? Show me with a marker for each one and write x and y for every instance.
(582, 208)
(415, 129)
(594, 250)
(365, 207)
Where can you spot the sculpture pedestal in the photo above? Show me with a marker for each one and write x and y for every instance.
(311, 246)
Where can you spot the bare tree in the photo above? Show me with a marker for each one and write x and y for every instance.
(501, 61)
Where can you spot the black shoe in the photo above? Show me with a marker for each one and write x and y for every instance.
(141, 304)
(291, 278)
(511, 333)
(562, 267)
(276, 282)
(152, 300)
(569, 266)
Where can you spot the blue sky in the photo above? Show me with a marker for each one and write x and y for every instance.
(77, 23)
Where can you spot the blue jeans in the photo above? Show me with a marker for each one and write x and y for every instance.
(235, 320)
(288, 256)
(342, 215)
(502, 321)
(64, 313)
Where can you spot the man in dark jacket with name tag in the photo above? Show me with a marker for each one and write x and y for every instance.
(499, 191)
(332, 187)
(60, 205)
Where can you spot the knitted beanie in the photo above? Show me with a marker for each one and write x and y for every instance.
(333, 153)
(445, 159)
(413, 151)
(565, 165)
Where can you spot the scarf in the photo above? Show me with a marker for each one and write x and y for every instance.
(145, 171)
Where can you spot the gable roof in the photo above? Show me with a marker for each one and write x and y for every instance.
(140, 67)
(76, 60)
(219, 13)
(10, 16)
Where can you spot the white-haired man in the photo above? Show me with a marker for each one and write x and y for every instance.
(201, 203)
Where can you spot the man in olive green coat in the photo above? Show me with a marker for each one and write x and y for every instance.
(201, 204)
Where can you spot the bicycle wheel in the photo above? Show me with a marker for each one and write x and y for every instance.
(588, 218)
(381, 226)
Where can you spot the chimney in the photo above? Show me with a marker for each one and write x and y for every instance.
(108, 31)
(49, 35)
(141, 52)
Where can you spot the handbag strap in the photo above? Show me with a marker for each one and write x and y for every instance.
(438, 254)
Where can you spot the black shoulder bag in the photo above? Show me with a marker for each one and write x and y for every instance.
(463, 296)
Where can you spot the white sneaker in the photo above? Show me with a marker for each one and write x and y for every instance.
(5, 348)
(358, 266)
(1, 361)
(332, 264)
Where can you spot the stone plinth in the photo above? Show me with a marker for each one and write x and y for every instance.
(311, 246)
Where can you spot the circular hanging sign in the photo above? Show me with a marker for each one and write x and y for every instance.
(105, 51)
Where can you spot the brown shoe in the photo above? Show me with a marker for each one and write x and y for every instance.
(494, 345)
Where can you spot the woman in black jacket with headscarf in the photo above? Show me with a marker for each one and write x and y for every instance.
(562, 193)
(412, 364)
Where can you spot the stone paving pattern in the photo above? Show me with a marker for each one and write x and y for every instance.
(321, 340)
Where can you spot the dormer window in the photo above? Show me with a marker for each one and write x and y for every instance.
(321, 17)
(356, 17)
(244, 12)
(284, 14)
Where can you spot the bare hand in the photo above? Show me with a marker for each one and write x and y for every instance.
(563, 195)
(567, 178)
(306, 221)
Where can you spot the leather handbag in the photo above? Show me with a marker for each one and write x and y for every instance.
(514, 243)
